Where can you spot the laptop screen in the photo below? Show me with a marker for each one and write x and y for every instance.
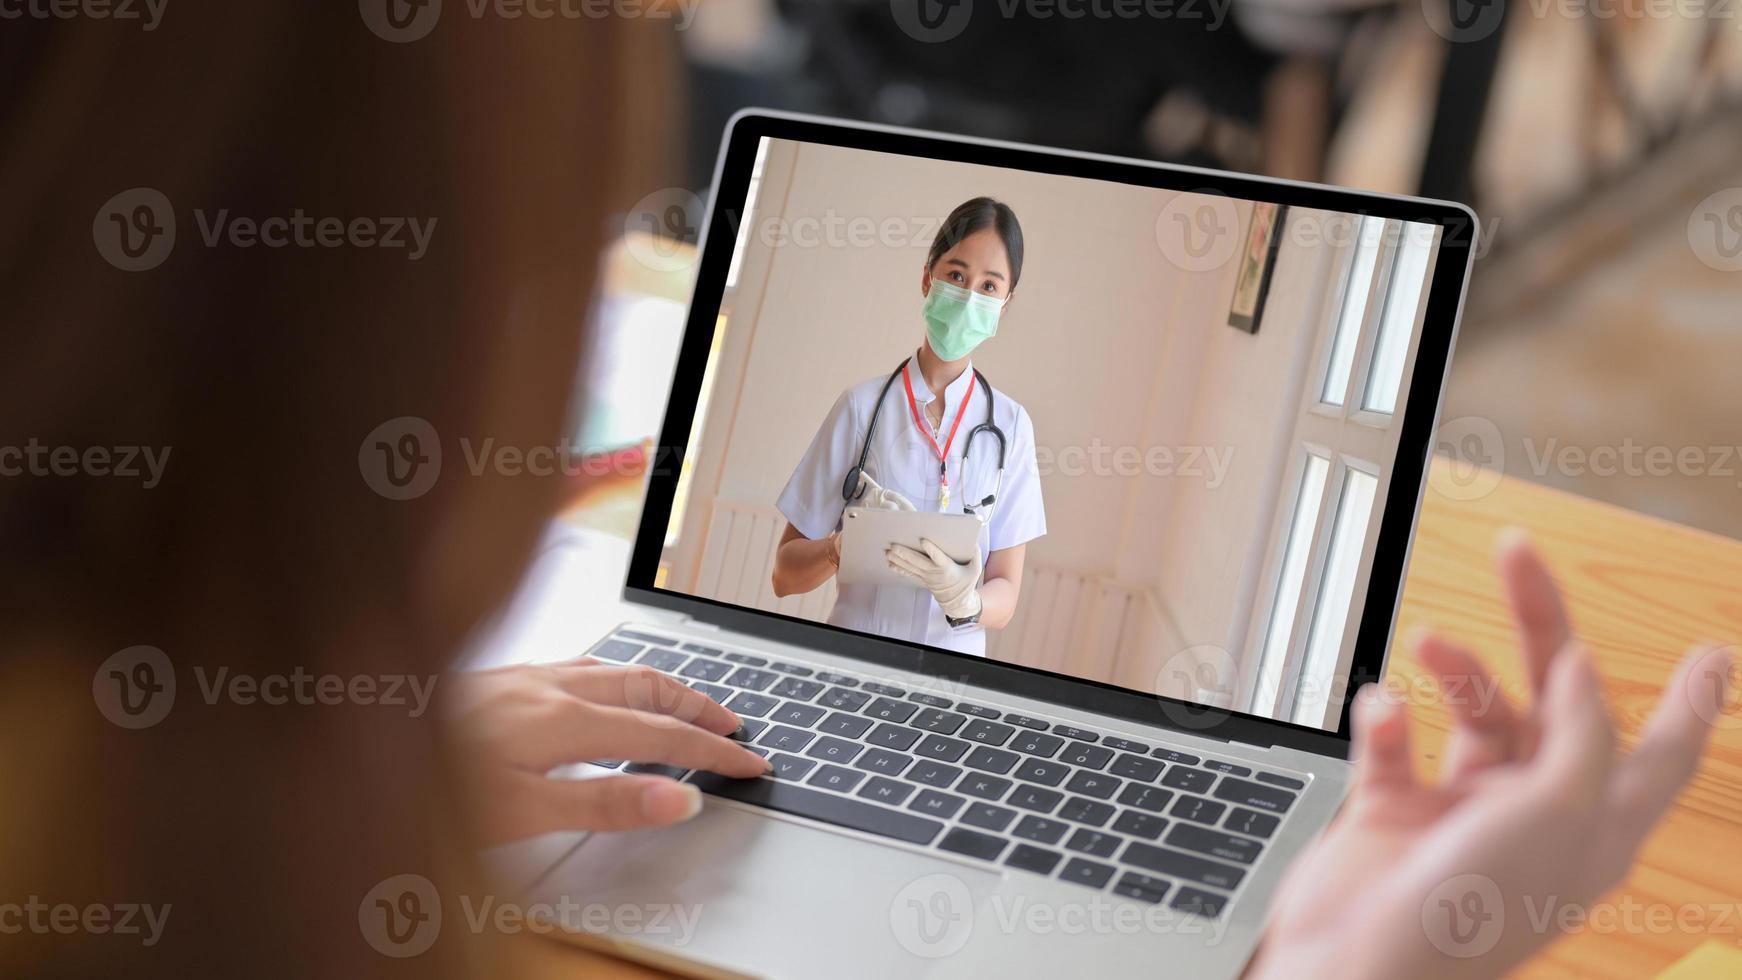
(1164, 422)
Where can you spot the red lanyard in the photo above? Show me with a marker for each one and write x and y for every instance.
(925, 430)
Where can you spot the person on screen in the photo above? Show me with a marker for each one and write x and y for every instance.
(944, 439)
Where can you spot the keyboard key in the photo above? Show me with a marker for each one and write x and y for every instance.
(830, 677)
(705, 670)
(1287, 782)
(843, 699)
(1091, 842)
(1090, 812)
(746, 659)
(977, 710)
(1227, 767)
(987, 732)
(786, 739)
(715, 691)
(885, 790)
(621, 651)
(796, 689)
(1136, 767)
(664, 641)
(1141, 887)
(831, 749)
(836, 778)
(1216, 844)
(793, 669)
(1245, 821)
(973, 844)
(1145, 797)
(941, 747)
(748, 729)
(892, 736)
(655, 769)
(751, 704)
(660, 658)
(933, 720)
(841, 811)
(1198, 809)
(1255, 795)
(790, 766)
(987, 816)
(982, 786)
(1087, 756)
(1040, 829)
(1031, 858)
(846, 726)
(1037, 743)
(884, 689)
(1124, 744)
(1079, 734)
(750, 677)
(1092, 784)
(1044, 773)
(705, 651)
(1190, 780)
(883, 761)
(933, 773)
(1177, 758)
(797, 714)
(935, 804)
(1175, 864)
(1026, 722)
(991, 760)
(890, 709)
(1139, 824)
(930, 699)
(1082, 871)
(1034, 798)
(1207, 904)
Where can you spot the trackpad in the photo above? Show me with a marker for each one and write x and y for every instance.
(756, 894)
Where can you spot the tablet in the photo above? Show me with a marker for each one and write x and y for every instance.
(866, 534)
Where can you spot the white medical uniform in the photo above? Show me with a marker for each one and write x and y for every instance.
(902, 459)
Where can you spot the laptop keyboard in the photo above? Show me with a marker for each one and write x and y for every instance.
(1150, 824)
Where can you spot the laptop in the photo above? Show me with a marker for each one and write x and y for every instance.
(1221, 392)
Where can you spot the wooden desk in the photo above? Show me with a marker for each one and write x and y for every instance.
(1641, 591)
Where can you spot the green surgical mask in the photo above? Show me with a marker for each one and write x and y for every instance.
(957, 321)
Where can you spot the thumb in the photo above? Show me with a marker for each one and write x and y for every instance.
(614, 803)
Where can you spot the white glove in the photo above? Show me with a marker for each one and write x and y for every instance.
(874, 497)
(955, 586)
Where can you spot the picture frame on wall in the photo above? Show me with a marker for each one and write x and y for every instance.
(1257, 263)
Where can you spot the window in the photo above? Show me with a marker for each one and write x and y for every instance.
(745, 219)
(1336, 594)
(1402, 302)
(1353, 309)
(1288, 584)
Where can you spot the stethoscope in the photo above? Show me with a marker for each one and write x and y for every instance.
(851, 491)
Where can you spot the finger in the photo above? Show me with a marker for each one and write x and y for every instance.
(1487, 729)
(905, 558)
(616, 803)
(642, 736)
(897, 501)
(866, 484)
(935, 553)
(1381, 742)
(646, 689)
(1649, 780)
(1577, 750)
(1537, 608)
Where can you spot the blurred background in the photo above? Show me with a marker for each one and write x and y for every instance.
(1599, 140)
